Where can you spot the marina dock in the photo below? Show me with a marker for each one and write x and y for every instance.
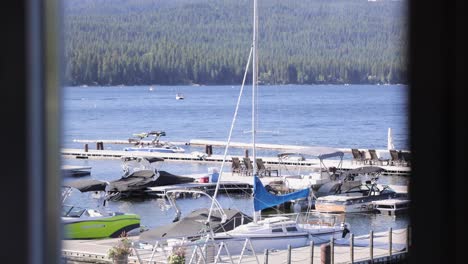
(217, 159)
(382, 247)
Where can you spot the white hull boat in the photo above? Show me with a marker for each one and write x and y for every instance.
(277, 233)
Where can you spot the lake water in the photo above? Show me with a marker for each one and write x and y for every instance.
(344, 116)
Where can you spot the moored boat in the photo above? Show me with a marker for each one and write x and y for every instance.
(356, 199)
(82, 223)
(86, 223)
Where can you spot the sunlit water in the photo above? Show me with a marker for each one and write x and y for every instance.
(330, 115)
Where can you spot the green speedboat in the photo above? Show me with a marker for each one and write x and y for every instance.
(81, 223)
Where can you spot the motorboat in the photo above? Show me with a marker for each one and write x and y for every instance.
(180, 96)
(138, 176)
(155, 145)
(82, 223)
(195, 225)
(391, 206)
(86, 223)
(356, 199)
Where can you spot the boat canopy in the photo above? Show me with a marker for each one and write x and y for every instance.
(320, 152)
(263, 199)
(194, 225)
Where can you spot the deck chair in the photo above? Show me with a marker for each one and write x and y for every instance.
(395, 159)
(248, 166)
(357, 157)
(263, 170)
(236, 166)
(405, 158)
(375, 159)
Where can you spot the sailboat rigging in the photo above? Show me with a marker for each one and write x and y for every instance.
(277, 231)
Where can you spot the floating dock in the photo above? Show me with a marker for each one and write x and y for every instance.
(204, 158)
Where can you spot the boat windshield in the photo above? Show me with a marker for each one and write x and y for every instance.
(72, 211)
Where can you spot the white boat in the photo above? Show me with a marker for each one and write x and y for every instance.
(356, 199)
(179, 96)
(155, 145)
(86, 223)
(391, 206)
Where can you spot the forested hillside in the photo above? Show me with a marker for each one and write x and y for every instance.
(133, 42)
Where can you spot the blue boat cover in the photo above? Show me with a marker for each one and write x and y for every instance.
(263, 199)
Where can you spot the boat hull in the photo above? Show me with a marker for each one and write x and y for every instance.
(340, 208)
(100, 228)
(279, 242)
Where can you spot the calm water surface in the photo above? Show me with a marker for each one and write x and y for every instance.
(325, 115)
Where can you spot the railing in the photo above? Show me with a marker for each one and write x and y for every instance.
(364, 249)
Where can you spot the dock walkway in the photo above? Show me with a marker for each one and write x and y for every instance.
(386, 246)
(216, 159)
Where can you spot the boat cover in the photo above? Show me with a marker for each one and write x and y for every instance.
(144, 178)
(136, 181)
(87, 185)
(194, 224)
(263, 199)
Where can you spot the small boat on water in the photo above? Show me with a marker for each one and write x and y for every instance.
(179, 96)
(155, 145)
(85, 223)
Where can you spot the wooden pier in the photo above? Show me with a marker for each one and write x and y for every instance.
(204, 158)
(391, 246)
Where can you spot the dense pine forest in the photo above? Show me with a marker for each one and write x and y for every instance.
(143, 42)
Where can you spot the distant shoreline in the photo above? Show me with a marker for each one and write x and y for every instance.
(211, 85)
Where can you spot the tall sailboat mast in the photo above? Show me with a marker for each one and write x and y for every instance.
(254, 86)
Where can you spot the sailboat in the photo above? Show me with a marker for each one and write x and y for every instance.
(275, 232)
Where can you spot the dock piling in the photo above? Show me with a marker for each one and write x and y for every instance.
(265, 258)
(390, 242)
(99, 145)
(325, 253)
(288, 261)
(86, 147)
(351, 247)
(332, 251)
(312, 252)
(371, 246)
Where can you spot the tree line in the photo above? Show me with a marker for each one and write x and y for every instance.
(143, 42)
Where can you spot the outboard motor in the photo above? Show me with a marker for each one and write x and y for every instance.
(345, 230)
